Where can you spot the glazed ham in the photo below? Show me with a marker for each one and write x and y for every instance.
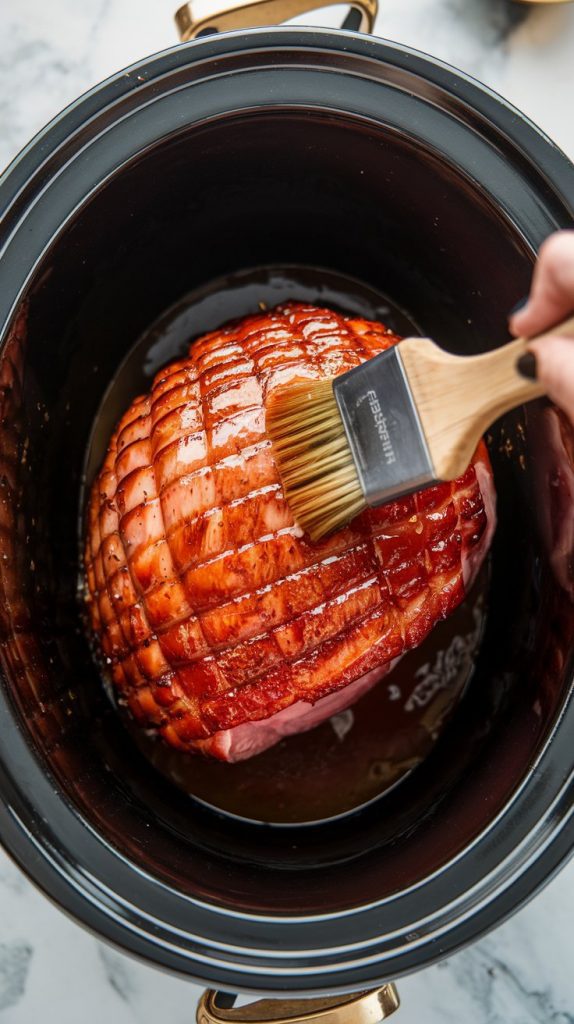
(222, 626)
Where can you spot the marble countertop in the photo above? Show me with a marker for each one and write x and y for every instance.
(522, 972)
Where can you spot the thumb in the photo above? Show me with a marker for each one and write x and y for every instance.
(555, 369)
(552, 292)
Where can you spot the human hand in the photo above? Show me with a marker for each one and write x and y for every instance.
(551, 299)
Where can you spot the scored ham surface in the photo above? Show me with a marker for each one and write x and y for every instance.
(222, 625)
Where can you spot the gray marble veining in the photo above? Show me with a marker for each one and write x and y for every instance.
(50, 968)
(14, 962)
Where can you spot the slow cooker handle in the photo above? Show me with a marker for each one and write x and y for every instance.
(206, 17)
(358, 1008)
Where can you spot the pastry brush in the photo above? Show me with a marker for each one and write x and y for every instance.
(408, 418)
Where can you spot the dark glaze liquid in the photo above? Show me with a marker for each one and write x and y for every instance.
(360, 753)
(353, 757)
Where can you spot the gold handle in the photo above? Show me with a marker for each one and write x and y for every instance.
(204, 17)
(359, 1008)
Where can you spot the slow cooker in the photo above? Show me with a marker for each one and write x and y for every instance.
(260, 149)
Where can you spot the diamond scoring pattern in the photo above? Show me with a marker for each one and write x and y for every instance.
(209, 608)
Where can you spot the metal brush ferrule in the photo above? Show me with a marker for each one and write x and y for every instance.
(383, 428)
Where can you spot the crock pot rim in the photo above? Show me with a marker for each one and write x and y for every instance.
(32, 157)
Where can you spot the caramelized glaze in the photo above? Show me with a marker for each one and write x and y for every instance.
(210, 608)
(354, 757)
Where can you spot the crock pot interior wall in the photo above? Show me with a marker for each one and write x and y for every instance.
(257, 190)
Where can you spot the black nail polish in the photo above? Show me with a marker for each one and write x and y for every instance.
(526, 365)
(518, 306)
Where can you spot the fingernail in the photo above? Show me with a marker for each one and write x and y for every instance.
(518, 306)
(526, 365)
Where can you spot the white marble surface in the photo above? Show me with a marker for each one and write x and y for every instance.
(49, 968)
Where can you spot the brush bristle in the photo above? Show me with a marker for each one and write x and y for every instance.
(313, 456)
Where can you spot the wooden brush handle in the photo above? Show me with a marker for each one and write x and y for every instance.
(458, 397)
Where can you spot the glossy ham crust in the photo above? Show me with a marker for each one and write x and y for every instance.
(211, 609)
